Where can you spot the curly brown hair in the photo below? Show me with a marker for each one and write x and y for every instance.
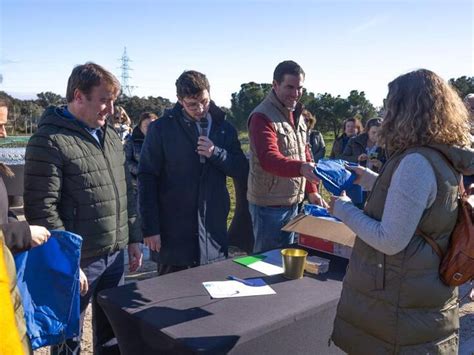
(422, 109)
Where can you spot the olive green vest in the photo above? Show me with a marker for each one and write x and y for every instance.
(393, 304)
(265, 189)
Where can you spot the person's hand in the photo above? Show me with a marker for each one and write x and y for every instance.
(471, 295)
(39, 235)
(205, 146)
(316, 199)
(343, 197)
(153, 242)
(375, 162)
(84, 284)
(307, 171)
(135, 257)
(362, 157)
(470, 189)
(359, 170)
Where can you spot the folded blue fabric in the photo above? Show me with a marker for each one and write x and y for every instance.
(48, 281)
(334, 175)
(317, 211)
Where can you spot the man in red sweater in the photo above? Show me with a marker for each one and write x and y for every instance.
(281, 167)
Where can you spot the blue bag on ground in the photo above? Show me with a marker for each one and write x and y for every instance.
(334, 175)
(48, 281)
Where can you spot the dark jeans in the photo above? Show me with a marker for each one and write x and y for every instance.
(267, 224)
(155, 256)
(102, 272)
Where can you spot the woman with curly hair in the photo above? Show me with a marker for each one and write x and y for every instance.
(393, 300)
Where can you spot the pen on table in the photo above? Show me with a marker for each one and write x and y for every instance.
(245, 282)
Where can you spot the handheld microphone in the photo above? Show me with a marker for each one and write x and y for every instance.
(204, 125)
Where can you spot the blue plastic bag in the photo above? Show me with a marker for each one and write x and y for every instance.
(48, 281)
(334, 175)
(317, 211)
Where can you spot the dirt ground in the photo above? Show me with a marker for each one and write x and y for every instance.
(148, 270)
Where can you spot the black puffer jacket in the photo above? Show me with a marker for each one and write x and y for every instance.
(16, 233)
(133, 147)
(73, 183)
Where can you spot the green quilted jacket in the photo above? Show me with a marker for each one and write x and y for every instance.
(74, 183)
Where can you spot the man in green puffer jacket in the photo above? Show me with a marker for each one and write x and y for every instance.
(75, 180)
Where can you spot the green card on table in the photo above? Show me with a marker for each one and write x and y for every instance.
(247, 260)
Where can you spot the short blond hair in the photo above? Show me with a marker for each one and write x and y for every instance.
(421, 109)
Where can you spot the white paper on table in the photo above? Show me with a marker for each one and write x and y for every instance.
(271, 265)
(266, 268)
(229, 289)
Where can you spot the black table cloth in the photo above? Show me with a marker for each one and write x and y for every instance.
(174, 314)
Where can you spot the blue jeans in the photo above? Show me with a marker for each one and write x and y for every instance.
(102, 272)
(267, 223)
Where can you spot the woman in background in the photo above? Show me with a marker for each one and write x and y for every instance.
(364, 148)
(315, 138)
(121, 123)
(351, 128)
(134, 143)
(393, 301)
(133, 147)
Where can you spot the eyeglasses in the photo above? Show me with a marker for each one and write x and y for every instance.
(194, 106)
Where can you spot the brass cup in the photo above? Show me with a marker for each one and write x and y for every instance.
(293, 263)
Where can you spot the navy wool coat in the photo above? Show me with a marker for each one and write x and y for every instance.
(182, 199)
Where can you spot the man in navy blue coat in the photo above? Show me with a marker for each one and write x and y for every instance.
(183, 197)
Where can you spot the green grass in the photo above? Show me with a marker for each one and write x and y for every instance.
(244, 141)
(14, 141)
(329, 140)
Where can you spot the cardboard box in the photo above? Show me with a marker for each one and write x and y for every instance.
(322, 234)
(325, 246)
